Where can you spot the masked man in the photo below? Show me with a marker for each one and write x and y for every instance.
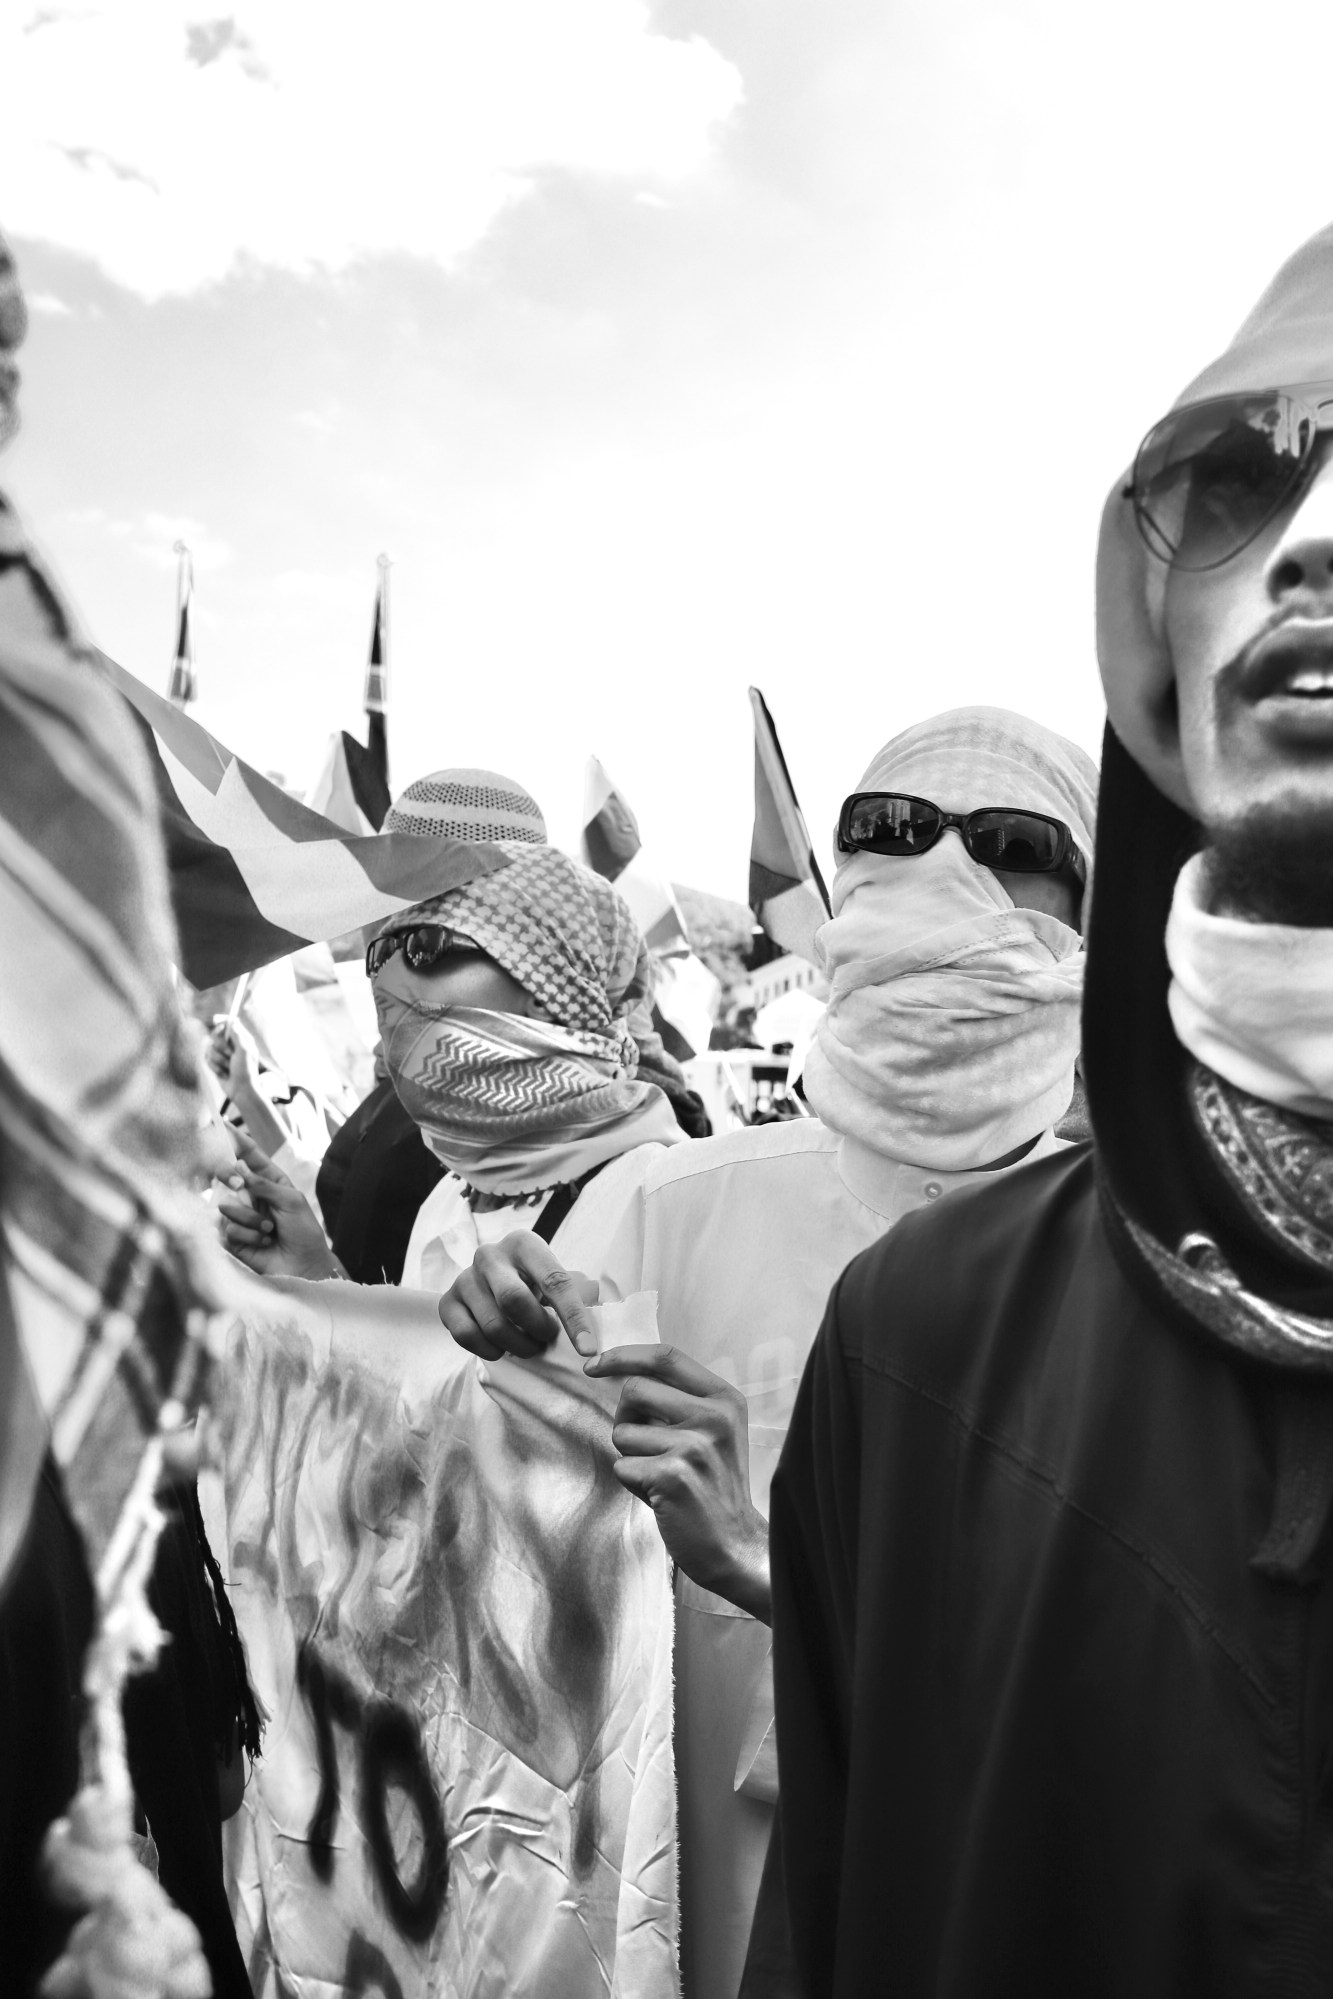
(1054, 1624)
(946, 1053)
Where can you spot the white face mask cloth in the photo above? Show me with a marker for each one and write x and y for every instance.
(953, 1020)
(1252, 1001)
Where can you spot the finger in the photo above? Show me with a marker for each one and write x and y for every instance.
(493, 1270)
(274, 1190)
(254, 1156)
(253, 1159)
(248, 1217)
(642, 1400)
(644, 1440)
(637, 1476)
(496, 1325)
(245, 1239)
(470, 1315)
(665, 1364)
(568, 1293)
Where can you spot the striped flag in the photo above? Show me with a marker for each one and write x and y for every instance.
(256, 874)
(377, 687)
(610, 845)
(100, 1101)
(183, 686)
(350, 789)
(787, 891)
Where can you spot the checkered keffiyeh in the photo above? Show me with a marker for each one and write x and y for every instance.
(559, 929)
(100, 1104)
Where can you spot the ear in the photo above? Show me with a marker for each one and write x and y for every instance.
(1137, 674)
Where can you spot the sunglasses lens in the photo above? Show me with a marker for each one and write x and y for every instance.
(882, 823)
(1210, 477)
(422, 946)
(1021, 842)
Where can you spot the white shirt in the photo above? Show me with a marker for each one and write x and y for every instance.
(447, 1234)
(742, 1237)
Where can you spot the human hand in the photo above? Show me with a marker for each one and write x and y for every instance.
(515, 1297)
(683, 1438)
(228, 1056)
(273, 1230)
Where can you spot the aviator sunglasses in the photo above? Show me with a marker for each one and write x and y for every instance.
(420, 945)
(1210, 477)
(996, 836)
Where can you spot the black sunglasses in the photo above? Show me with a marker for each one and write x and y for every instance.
(997, 836)
(420, 945)
(1209, 478)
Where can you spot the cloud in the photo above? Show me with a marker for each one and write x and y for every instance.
(173, 150)
(153, 536)
(48, 304)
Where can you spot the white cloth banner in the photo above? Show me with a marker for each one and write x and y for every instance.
(461, 1628)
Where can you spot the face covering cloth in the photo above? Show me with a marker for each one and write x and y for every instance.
(953, 1020)
(510, 1102)
(1253, 1001)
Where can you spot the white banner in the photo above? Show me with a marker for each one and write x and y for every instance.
(460, 1625)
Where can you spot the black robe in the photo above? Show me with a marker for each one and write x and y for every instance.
(1053, 1611)
(1044, 1728)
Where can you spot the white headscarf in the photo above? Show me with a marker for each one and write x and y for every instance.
(953, 1020)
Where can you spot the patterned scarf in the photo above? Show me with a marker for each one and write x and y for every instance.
(103, 1256)
(1280, 1167)
(510, 1103)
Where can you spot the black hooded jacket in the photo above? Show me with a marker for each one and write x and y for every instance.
(1053, 1596)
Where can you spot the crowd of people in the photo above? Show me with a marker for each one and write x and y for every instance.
(984, 1443)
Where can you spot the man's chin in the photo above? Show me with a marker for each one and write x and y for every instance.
(1273, 864)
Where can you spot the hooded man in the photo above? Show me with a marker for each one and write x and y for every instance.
(1053, 1620)
(947, 1051)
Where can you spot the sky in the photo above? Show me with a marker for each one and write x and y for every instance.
(665, 348)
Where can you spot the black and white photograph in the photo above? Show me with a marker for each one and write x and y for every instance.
(666, 1000)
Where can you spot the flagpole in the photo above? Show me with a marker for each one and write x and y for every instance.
(181, 688)
(376, 701)
(384, 564)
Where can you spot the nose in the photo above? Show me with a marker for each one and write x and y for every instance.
(1302, 561)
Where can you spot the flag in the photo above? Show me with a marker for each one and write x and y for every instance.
(685, 1004)
(184, 685)
(376, 701)
(350, 789)
(610, 845)
(787, 891)
(460, 1625)
(256, 874)
(104, 1260)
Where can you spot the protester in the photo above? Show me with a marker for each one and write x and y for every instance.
(1053, 1620)
(946, 1053)
(377, 1171)
(504, 1010)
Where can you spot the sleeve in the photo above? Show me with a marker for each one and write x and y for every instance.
(814, 1535)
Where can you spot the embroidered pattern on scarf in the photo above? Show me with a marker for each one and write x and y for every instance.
(1281, 1165)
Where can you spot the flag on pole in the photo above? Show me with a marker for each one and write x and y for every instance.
(787, 891)
(350, 789)
(255, 874)
(610, 845)
(183, 686)
(377, 686)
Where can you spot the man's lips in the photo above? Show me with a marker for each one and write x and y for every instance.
(1293, 663)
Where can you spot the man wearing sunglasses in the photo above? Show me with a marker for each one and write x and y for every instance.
(1051, 1548)
(947, 1052)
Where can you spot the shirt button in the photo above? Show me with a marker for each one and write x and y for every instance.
(933, 1190)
